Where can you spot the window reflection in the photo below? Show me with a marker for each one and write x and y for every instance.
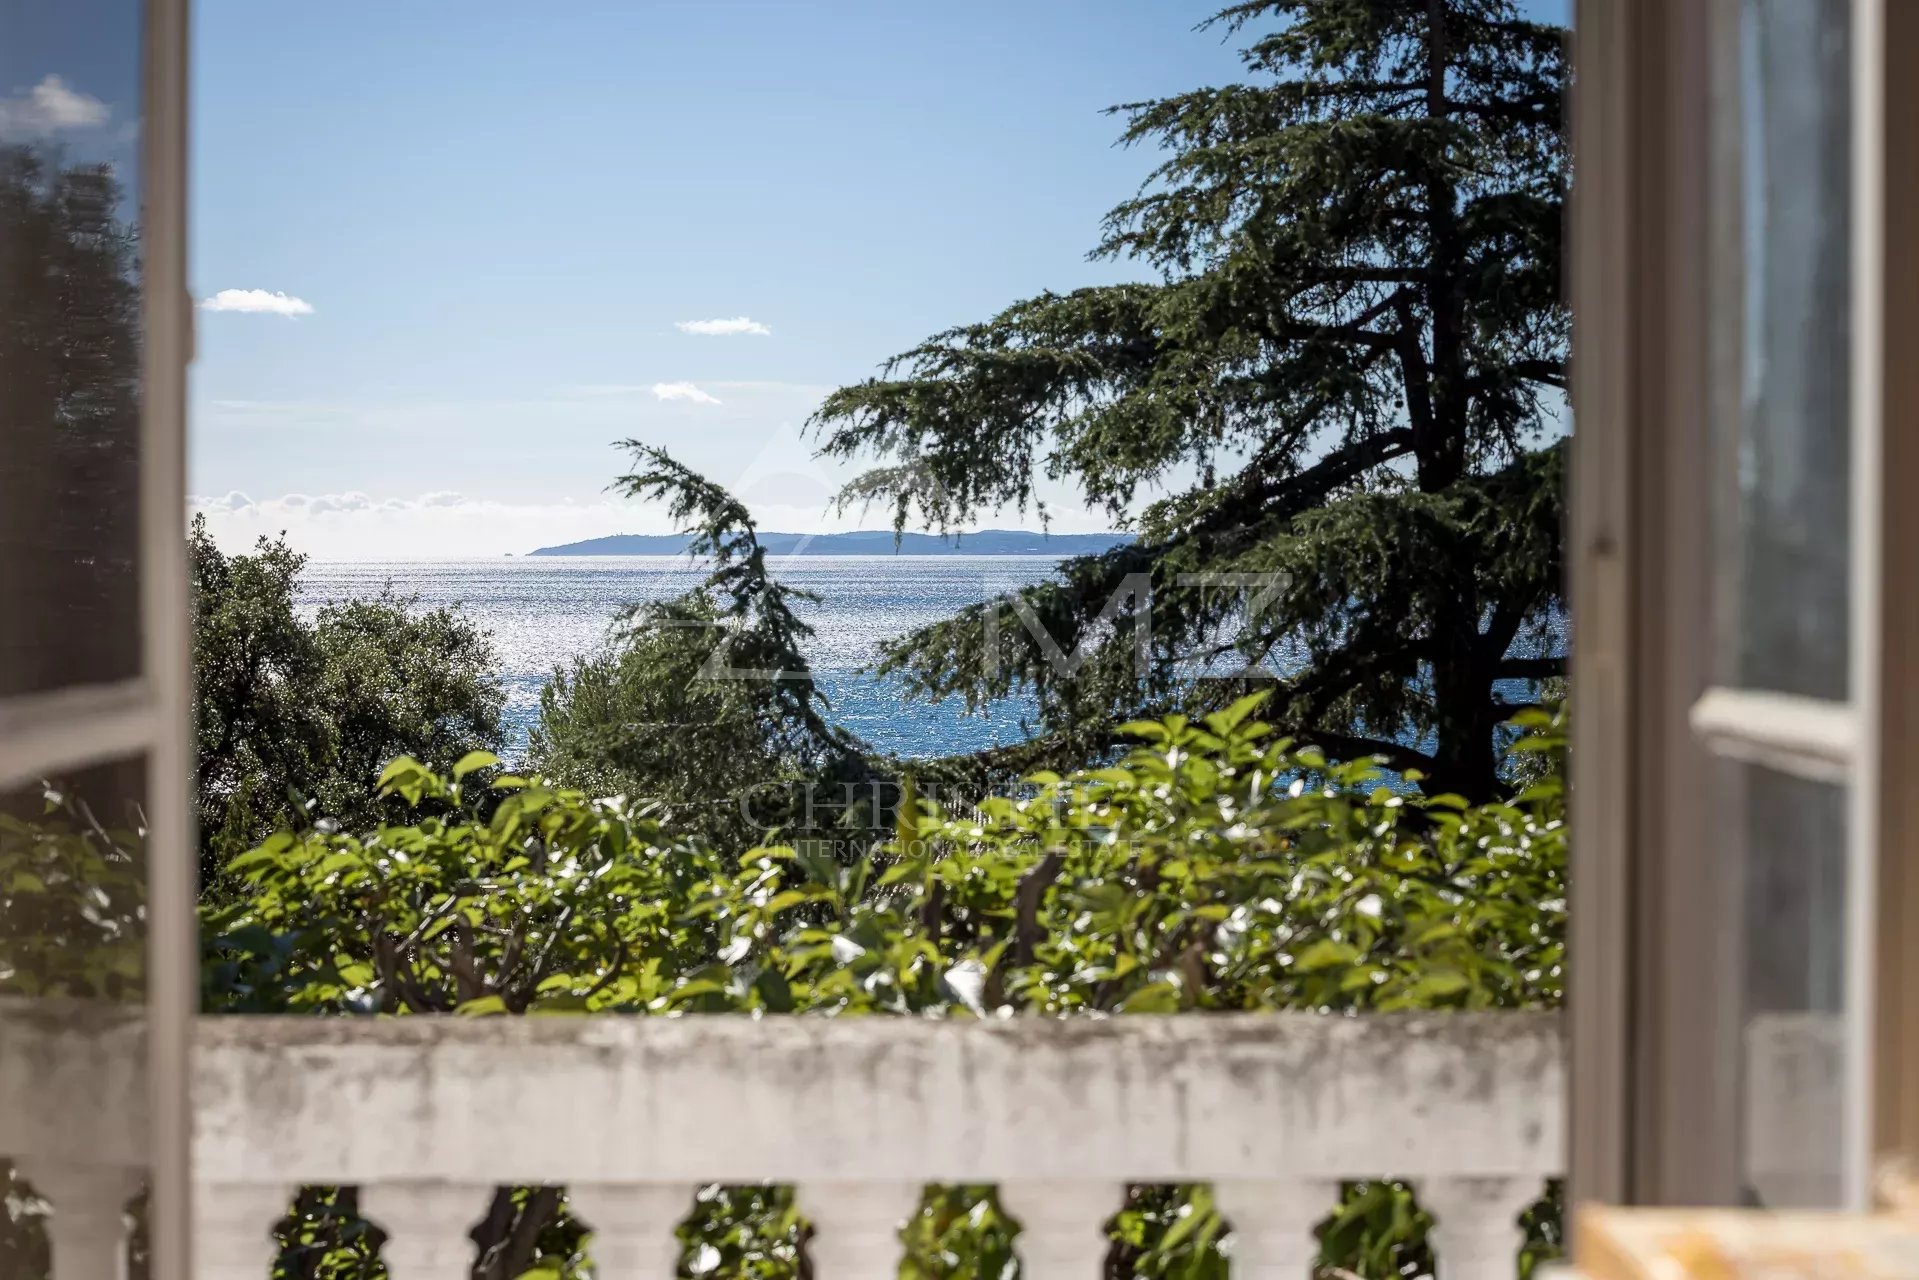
(1791, 834)
(72, 876)
(69, 343)
(1783, 453)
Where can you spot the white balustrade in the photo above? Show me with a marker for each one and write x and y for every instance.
(428, 1225)
(233, 1226)
(1793, 1109)
(633, 1226)
(856, 1227)
(1273, 1222)
(1062, 1225)
(1476, 1233)
(427, 1115)
(73, 1119)
(87, 1233)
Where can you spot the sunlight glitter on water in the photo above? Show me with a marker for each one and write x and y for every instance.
(546, 610)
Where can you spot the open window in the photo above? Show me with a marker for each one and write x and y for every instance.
(1743, 856)
(96, 920)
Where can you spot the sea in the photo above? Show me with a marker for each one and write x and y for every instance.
(543, 611)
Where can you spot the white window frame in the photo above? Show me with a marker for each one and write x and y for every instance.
(150, 716)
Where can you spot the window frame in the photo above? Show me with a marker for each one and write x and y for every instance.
(1655, 1078)
(173, 985)
(1893, 804)
(1647, 1056)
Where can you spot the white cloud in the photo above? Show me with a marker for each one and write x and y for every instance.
(48, 107)
(803, 393)
(279, 304)
(352, 501)
(444, 525)
(682, 391)
(784, 485)
(723, 328)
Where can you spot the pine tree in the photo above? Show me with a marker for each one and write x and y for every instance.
(1345, 369)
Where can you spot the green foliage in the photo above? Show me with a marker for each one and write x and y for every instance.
(297, 714)
(1214, 867)
(72, 902)
(643, 719)
(1347, 369)
(551, 898)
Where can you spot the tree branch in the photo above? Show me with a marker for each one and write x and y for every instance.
(1550, 372)
(1537, 108)
(606, 979)
(1032, 888)
(513, 1253)
(1335, 469)
(1348, 334)
(1347, 746)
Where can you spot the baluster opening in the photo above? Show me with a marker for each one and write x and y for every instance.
(732, 1222)
(322, 1227)
(24, 1250)
(959, 1228)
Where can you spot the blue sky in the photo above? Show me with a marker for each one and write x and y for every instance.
(492, 222)
(501, 214)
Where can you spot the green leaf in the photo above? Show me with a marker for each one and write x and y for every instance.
(1157, 997)
(474, 760)
(1435, 985)
(1225, 721)
(774, 990)
(1325, 954)
(399, 767)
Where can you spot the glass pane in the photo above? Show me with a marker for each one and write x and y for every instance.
(1782, 422)
(72, 980)
(1789, 837)
(69, 342)
(72, 875)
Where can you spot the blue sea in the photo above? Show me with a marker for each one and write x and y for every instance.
(545, 610)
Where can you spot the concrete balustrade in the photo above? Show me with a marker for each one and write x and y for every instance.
(426, 1116)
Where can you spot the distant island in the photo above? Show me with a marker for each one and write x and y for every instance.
(865, 542)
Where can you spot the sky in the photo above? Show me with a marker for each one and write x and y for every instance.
(449, 251)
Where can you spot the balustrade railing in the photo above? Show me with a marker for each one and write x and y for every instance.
(427, 1116)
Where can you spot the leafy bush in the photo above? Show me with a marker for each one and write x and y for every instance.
(1215, 867)
(305, 712)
